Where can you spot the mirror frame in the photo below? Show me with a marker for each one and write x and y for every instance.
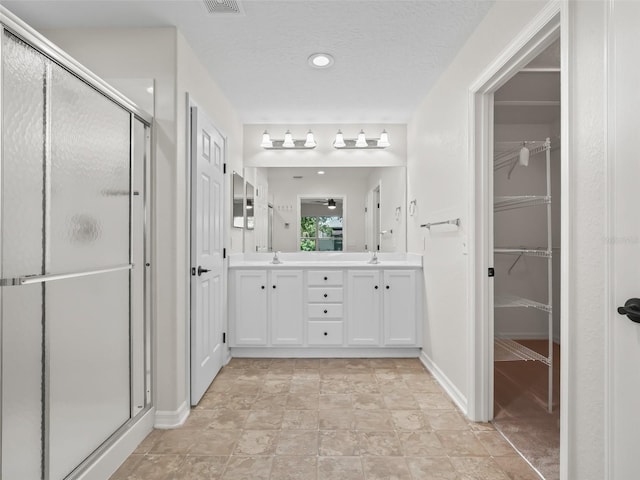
(237, 200)
(250, 201)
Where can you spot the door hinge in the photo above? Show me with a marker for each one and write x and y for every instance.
(224, 337)
(492, 272)
(224, 168)
(365, 209)
(378, 205)
(224, 253)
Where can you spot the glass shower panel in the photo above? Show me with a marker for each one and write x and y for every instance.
(23, 80)
(90, 157)
(88, 345)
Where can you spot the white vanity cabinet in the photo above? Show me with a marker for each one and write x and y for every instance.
(286, 292)
(249, 303)
(325, 310)
(400, 307)
(364, 307)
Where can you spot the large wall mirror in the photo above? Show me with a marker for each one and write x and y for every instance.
(350, 209)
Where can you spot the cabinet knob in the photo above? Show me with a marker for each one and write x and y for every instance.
(262, 287)
(325, 295)
(326, 278)
(387, 287)
(325, 334)
(275, 286)
(325, 311)
(376, 287)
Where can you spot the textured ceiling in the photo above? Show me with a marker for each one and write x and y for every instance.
(387, 53)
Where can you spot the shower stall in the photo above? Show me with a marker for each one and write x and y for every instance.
(74, 261)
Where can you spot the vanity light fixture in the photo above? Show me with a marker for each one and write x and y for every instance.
(331, 204)
(362, 142)
(289, 143)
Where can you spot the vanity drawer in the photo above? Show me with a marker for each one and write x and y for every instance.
(325, 294)
(325, 310)
(324, 333)
(326, 277)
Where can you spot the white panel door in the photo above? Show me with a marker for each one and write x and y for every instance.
(364, 313)
(207, 264)
(400, 326)
(287, 317)
(249, 322)
(625, 234)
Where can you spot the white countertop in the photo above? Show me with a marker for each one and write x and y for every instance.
(321, 260)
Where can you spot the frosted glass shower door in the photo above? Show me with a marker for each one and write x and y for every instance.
(66, 210)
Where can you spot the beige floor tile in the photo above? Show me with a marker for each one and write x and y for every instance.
(270, 401)
(158, 467)
(340, 468)
(445, 420)
(460, 443)
(297, 442)
(234, 401)
(385, 468)
(257, 442)
(301, 401)
(214, 442)
(334, 401)
(409, 420)
(245, 388)
(294, 468)
(149, 441)
(203, 467)
(431, 468)
(336, 419)
(516, 468)
(478, 468)
(127, 468)
(219, 419)
(177, 441)
(421, 444)
(495, 443)
(433, 401)
(373, 420)
(338, 443)
(275, 387)
(304, 386)
(384, 444)
(264, 420)
(334, 386)
(245, 468)
(368, 401)
(400, 400)
(300, 420)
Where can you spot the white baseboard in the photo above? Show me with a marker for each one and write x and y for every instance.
(110, 460)
(339, 352)
(458, 398)
(166, 419)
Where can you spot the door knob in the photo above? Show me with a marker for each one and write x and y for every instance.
(631, 309)
(202, 270)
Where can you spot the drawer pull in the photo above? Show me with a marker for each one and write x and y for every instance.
(325, 311)
(387, 287)
(325, 295)
(325, 334)
(376, 287)
(262, 287)
(274, 286)
(326, 278)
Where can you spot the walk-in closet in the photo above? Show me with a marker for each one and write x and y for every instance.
(526, 187)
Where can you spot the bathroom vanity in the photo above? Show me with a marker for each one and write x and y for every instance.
(321, 304)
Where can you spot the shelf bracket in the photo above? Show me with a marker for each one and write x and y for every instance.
(514, 264)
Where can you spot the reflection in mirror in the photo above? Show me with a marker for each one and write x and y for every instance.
(365, 225)
(321, 224)
(238, 201)
(249, 214)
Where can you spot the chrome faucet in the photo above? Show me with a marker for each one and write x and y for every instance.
(275, 259)
(374, 258)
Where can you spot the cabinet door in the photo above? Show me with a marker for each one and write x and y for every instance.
(364, 307)
(250, 307)
(400, 323)
(287, 317)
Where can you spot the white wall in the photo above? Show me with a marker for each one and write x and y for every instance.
(162, 54)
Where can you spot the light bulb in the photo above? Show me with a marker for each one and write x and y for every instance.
(361, 142)
(339, 143)
(384, 139)
(288, 140)
(266, 140)
(311, 142)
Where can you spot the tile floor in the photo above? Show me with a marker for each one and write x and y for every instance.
(321, 419)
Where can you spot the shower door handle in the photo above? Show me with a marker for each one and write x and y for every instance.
(631, 309)
(31, 279)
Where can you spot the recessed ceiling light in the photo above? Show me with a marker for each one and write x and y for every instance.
(320, 172)
(320, 60)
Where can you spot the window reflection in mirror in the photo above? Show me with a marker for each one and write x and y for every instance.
(250, 203)
(238, 201)
(321, 224)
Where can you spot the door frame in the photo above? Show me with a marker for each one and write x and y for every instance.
(543, 29)
(190, 103)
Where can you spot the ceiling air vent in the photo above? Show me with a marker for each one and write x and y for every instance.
(217, 7)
